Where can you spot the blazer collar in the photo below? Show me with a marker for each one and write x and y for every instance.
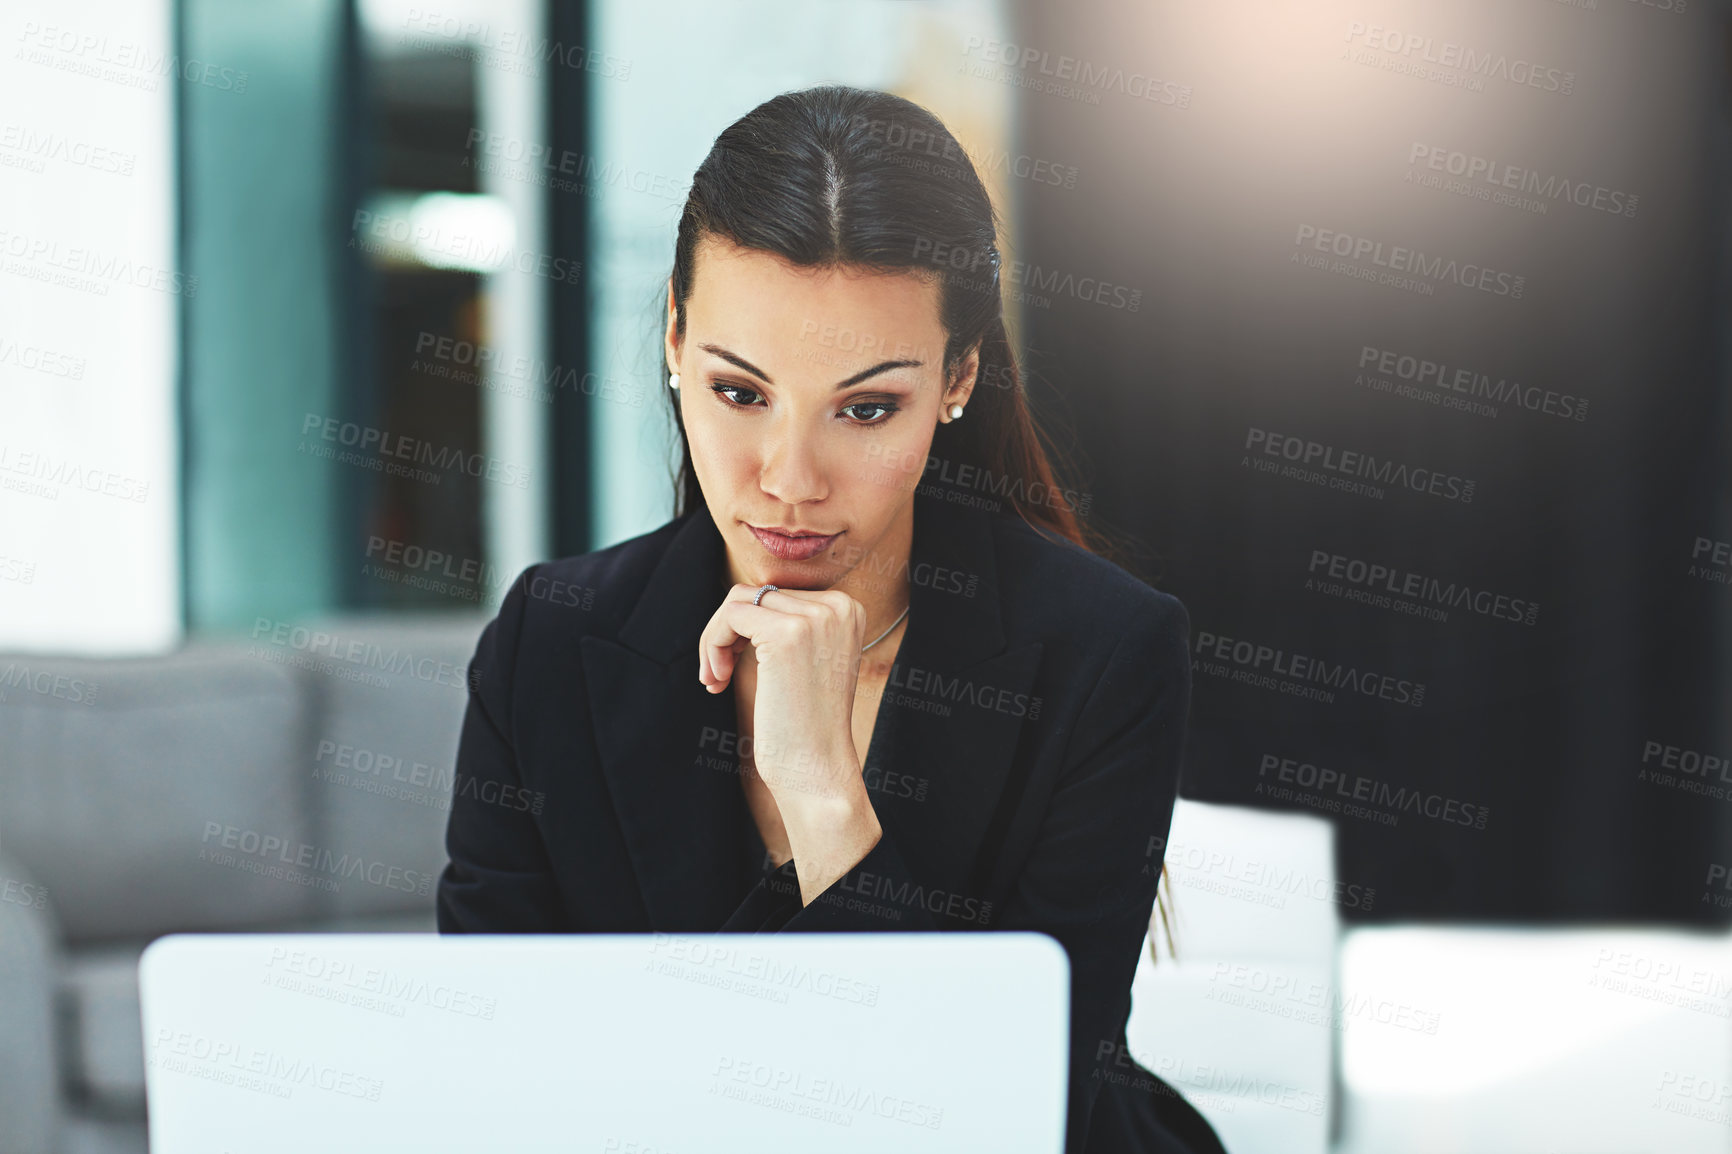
(952, 549)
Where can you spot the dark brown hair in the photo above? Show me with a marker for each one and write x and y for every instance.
(834, 176)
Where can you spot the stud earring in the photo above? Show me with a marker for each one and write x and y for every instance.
(673, 380)
(956, 412)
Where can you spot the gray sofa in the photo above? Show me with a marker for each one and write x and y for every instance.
(231, 786)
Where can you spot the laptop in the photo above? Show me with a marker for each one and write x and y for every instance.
(605, 1043)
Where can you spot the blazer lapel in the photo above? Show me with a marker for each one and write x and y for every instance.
(955, 707)
(942, 750)
(666, 743)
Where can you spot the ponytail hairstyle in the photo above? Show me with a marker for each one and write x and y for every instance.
(838, 176)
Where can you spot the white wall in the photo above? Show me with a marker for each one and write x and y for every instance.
(89, 511)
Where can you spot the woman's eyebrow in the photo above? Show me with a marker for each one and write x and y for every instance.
(741, 362)
(881, 367)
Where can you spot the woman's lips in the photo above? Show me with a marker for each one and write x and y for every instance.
(787, 548)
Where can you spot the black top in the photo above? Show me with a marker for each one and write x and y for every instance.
(769, 895)
(1023, 767)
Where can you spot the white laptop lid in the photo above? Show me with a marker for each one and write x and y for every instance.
(605, 1043)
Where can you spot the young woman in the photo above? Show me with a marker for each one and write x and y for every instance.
(869, 678)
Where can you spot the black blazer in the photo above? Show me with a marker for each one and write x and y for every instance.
(1023, 768)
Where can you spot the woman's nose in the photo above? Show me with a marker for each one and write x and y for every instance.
(792, 471)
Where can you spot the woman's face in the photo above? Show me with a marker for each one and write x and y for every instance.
(809, 398)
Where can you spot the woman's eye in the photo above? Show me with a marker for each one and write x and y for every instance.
(723, 391)
(861, 412)
(885, 409)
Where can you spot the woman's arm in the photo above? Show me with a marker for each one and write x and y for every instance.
(499, 879)
(1085, 881)
(805, 645)
(1090, 881)
(853, 902)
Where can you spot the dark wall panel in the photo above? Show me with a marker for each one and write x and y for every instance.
(1417, 398)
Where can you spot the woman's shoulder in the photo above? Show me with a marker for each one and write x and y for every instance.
(552, 607)
(1045, 578)
(586, 594)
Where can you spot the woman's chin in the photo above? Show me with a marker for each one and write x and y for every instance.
(805, 577)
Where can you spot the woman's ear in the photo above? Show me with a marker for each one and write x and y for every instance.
(670, 338)
(963, 378)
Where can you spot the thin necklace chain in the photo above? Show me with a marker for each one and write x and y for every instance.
(887, 632)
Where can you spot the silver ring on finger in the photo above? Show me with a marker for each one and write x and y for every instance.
(763, 590)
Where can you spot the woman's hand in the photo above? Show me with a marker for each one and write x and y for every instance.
(806, 646)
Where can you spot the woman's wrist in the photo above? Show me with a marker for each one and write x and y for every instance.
(829, 836)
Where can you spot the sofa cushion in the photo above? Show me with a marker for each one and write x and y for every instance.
(156, 794)
(379, 761)
(102, 1039)
(28, 1078)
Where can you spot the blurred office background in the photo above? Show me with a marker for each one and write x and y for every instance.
(321, 319)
